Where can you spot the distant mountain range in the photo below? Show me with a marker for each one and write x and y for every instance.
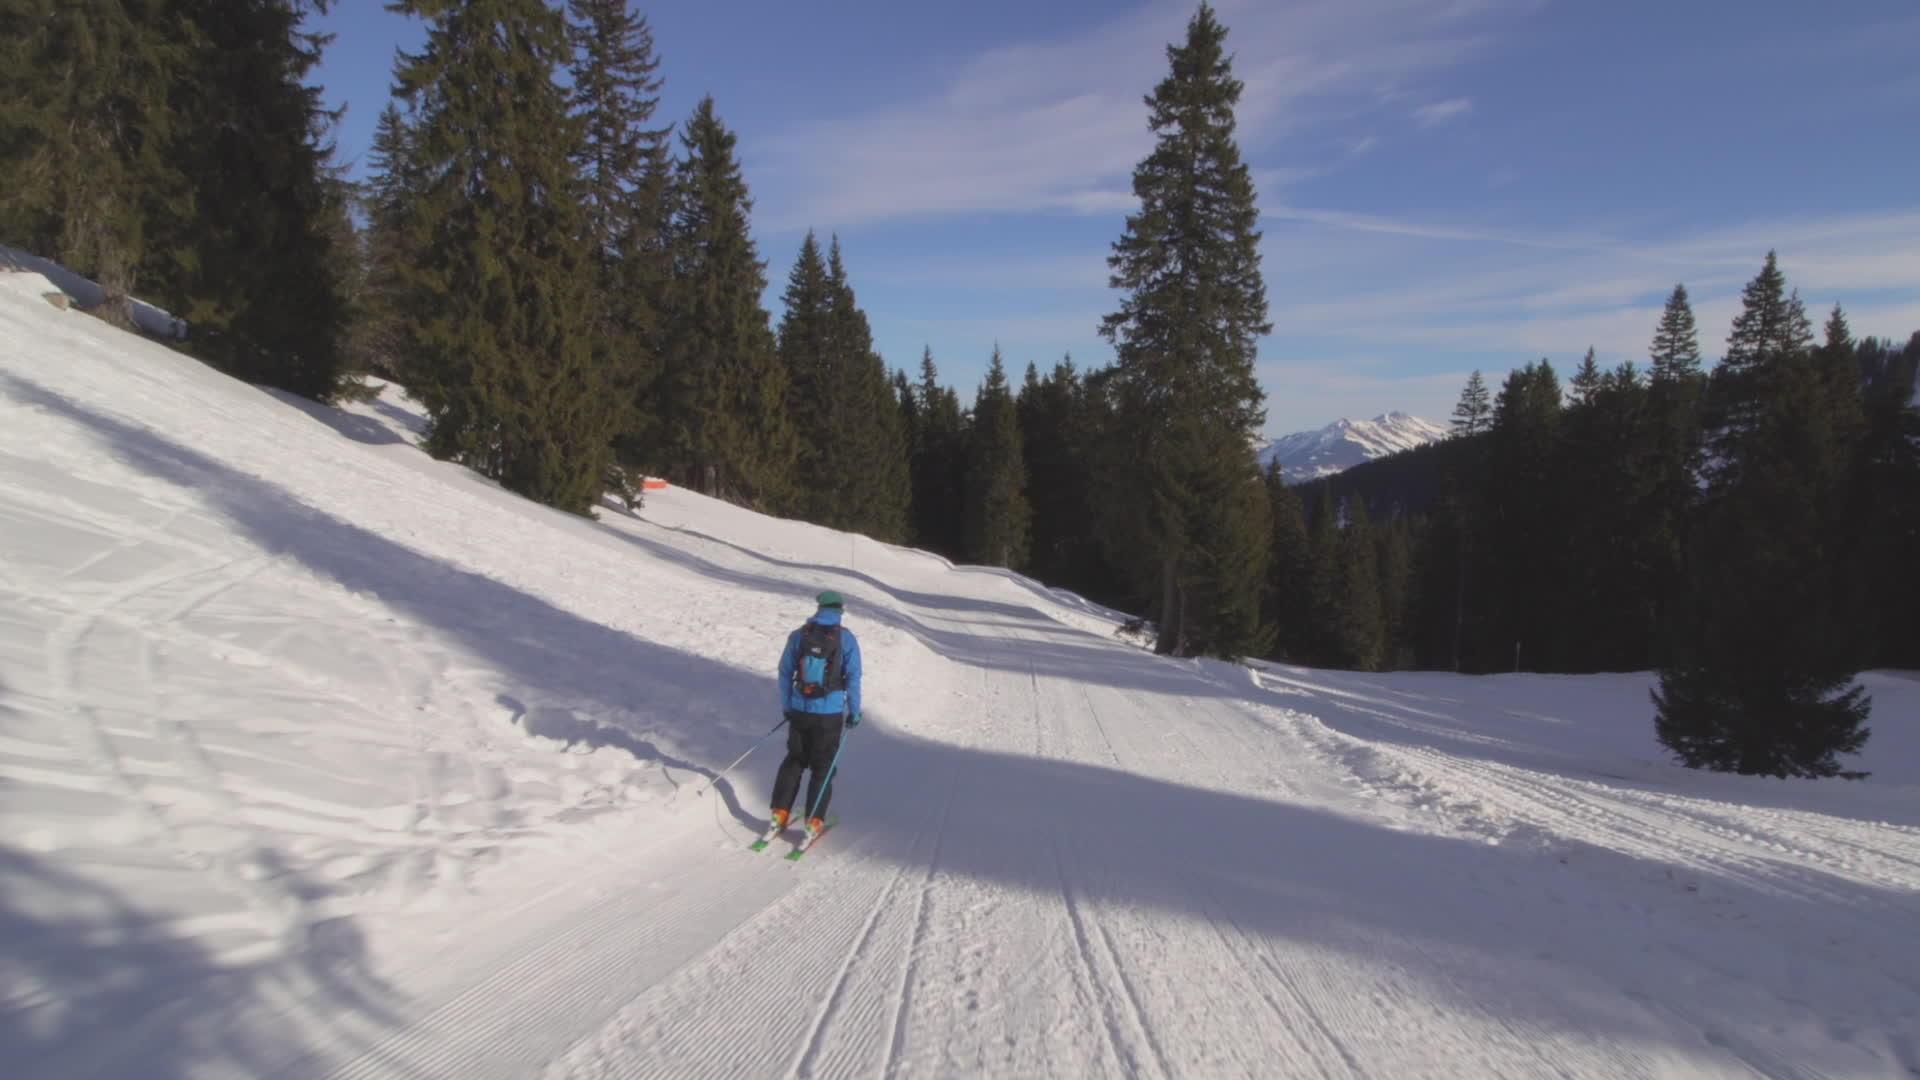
(1309, 455)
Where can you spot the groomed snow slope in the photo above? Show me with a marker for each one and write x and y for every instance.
(320, 758)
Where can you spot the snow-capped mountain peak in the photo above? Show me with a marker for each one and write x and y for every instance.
(1308, 455)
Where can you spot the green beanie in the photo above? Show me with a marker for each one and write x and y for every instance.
(829, 598)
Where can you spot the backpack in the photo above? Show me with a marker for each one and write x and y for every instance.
(817, 669)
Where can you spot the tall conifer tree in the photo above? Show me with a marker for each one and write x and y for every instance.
(1188, 518)
(1606, 463)
(1291, 608)
(496, 275)
(938, 464)
(623, 163)
(1359, 629)
(1762, 682)
(1324, 589)
(246, 254)
(1524, 562)
(868, 438)
(997, 517)
(1586, 380)
(1053, 433)
(175, 147)
(725, 424)
(1674, 395)
(852, 471)
(85, 136)
(1473, 415)
(806, 345)
(382, 323)
(1890, 483)
(1676, 343)
(1398, 544)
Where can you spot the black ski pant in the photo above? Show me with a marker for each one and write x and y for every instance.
(812, 741)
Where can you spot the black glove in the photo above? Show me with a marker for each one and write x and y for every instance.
(853, 720)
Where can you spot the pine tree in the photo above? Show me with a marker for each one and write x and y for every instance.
(1770, 334)
(244, 251)
(496, 274)
(1674, 396)
(1291, 608)
(997, 516)
(1396, 544)
(382, 325)
(1053, 434)
(854, 474)
(1762, 683)
(85, 134)
(726, 428)
(1524, 558)
(890, 472)
(872, 449)
(1474, 413)
(1843, 410)
(1359, 627)
(913, 426)
(1183, 380)
(1453, 603)
(938, 464)
(1676, 344)
(624, 167)
(1606, 464)
(807, 351)
(1585, 382)
(615, 93)
(1234, 567)
(1448, 601)
(1890, 487)
(1323, 641)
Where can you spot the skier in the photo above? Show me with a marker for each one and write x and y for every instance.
(819, 691)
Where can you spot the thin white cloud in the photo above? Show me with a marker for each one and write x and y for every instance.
(1453, 289)
(1059, 125)
(1426, 230)
(1442, 112)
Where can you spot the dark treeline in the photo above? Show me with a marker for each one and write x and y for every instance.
(171, 148)
(1747, 531)
(1574, 527)
(570, 286)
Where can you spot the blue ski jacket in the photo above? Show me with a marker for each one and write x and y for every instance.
(836, 701)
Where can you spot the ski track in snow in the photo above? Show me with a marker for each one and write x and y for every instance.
(395, 776)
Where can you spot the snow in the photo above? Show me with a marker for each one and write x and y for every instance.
(1310, 455)
(321, 758)
(44, 277)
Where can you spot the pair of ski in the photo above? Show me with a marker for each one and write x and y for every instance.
(806, 844)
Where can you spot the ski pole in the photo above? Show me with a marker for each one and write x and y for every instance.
(743, 757)
(831, 765)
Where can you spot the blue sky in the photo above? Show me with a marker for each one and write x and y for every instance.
(1445, 184)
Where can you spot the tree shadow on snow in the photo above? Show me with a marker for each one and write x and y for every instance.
(1065, 652)
(1563, 935)
(361, 429)
(929, 601)
(583, 681)
(1361, 706)
(79, 961)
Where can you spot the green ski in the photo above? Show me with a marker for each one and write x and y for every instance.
(807, 844)
(773, 832)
